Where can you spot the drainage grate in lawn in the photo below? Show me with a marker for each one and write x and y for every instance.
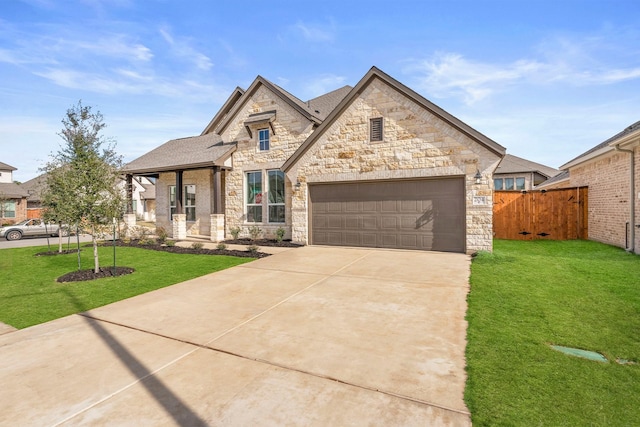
(585, 354)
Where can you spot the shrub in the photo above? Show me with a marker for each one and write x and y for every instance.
(221, 246)
(253, 248)
(235, 232)
(280, 234)
(170, 243)
(197, 245)
(146, 241)
(254, 232)
(162, 234)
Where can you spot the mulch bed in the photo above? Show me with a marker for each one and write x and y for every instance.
(82, 275)
(193, 251)
(264, 242)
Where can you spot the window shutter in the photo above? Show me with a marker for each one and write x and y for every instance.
(376, 129)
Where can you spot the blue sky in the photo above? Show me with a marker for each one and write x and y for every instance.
(546, 79)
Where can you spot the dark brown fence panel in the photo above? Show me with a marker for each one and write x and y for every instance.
(551, 214)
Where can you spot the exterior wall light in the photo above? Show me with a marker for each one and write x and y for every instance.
(478, 177)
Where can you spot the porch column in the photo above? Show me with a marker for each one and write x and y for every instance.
(217, 214)
(179, 220)
(179, 191)
(129, 191)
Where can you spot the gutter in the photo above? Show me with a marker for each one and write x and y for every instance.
(632, 199)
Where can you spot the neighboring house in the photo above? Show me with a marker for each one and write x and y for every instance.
(34, 188)
(518, 174)
(374, 165)
(143, 196)
(611, 170)
(13, 198)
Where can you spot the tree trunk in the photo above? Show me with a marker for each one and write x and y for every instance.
(96, 263)
(60, 237)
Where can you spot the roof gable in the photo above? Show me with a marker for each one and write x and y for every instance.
(515, 164)
(226, 107)
(298, 105)
(375, 73)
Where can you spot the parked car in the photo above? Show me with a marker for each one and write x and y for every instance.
(32, 227)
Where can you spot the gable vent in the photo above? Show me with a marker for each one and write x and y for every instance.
(376, 129)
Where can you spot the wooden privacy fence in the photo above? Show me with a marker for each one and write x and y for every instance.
(541, 214)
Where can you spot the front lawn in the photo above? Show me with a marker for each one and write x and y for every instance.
(527, 295)
(29, 293)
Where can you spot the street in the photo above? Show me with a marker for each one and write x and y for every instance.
(40, 241)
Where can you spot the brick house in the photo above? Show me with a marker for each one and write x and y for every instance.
(12, 197)
(372, 165)
(611, 170)
(517, 174)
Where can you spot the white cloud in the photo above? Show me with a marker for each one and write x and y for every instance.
(182, 48)
(451, 74)
(317, 33)
(123, 81)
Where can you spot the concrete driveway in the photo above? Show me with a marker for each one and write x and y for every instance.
(309, 336)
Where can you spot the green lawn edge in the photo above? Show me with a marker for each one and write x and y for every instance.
(29, 293)
(526, 296)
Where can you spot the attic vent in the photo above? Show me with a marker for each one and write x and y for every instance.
(376, 129)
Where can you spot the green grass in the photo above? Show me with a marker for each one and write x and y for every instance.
(29, 293)
(527, 295)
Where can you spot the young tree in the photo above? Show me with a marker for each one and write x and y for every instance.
(81, 177)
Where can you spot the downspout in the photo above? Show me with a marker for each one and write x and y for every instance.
(632, 200)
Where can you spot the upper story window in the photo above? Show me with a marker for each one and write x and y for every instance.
(263, 139)
(509, 183)
(375, 129)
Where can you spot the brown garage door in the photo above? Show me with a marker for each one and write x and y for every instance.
(426, 214)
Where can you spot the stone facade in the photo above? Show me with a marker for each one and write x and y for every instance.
(201, 178)
(416, 144)
(608, 180)
(290, 130)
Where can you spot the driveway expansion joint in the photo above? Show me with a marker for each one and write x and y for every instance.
(209, 347)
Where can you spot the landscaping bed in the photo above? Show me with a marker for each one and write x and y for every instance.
(81, 275)
(188, 250)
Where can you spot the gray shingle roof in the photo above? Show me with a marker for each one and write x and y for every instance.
(12, 191)
(6, 167)
(324, 104)
(183, 153)
(634, 127)
(515, 164)
(149, 192)
(35, 186)
(554, 179)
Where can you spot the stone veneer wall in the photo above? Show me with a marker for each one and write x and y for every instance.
(416, 144)
(291, 129)
(201, 178)
(608, 180)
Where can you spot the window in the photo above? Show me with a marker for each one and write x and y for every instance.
(9, 209)
(134, 206)
(254, 196)
(189, 201)
(508, 183)
(275, 200)
(375, 128)
(172, 200)
(519, 183)
(498, 184)
(263, 138)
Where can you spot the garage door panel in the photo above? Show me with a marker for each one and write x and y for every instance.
(426, 214)
(389, 222)
(370, 223)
